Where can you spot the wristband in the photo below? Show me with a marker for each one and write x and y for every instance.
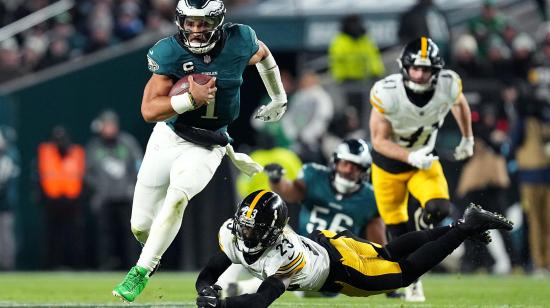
(183, 103)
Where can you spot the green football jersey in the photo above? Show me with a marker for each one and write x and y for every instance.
(324, 209)
(238, 44)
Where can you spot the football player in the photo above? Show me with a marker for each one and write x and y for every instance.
(335, 198)
(408, 110)
(190, 137)
(257, 237)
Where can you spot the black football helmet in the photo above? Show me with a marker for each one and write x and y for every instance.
(356, 151)
(259, 221)
(210, 14)
(420, 52)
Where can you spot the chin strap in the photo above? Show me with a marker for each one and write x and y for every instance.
(419, 87)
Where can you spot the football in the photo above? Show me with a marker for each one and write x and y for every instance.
(182, 85)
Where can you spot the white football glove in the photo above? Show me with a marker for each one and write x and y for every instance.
(271, 112)
(465, 148)
(420, 159)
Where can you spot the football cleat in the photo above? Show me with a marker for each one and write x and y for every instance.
(478, 220)
(132, 285)
(483, 237)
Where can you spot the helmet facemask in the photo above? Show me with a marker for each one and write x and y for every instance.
(422, 52)
(200, 27)
(356, 152)
(258, 223)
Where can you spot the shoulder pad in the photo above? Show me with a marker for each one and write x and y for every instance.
(246, 40)
(225, 235)
(162, 55)
(451, 83)
(381, 94)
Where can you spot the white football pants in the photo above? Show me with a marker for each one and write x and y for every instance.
(172, 172)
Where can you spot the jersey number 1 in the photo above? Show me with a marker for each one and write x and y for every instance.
(210, 108)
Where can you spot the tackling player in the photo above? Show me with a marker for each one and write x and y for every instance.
(408, 110)
(190, 137)
(257, 238)
(334, 198)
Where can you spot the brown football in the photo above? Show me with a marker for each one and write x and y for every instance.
(182, 86)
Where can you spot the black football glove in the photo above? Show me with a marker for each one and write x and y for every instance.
(210, 297)
(274, 172)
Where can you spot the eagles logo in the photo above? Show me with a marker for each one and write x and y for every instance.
(153, 66)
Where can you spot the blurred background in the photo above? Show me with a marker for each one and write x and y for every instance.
(72, 75)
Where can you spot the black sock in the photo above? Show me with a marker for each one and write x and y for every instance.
(430, 254)
(407, 243)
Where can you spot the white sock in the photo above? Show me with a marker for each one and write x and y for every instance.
(164, 229)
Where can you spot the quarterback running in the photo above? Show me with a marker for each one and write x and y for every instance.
(408, 110)
(190, 137)
(325, 261)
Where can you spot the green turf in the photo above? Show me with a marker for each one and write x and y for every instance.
(85, 289)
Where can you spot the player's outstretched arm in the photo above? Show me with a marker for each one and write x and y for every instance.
(212, 271)
(271, 77)
(290, 191)
(270, 289)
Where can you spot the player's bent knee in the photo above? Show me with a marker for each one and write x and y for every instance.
(436, 210)
(177, 200)
(140, 234)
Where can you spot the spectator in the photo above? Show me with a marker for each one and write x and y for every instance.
(484, 179)
(355, 62)
(10, 60)
(9, 172)
(426, 19)
(489, 23)
(353, 55)
(309, 114)
(128, 24)
(531, 139)
(113, 159)
(61, 166)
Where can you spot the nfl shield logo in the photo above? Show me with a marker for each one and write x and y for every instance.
(207, 59)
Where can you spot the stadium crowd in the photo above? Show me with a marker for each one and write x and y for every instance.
(505, 72)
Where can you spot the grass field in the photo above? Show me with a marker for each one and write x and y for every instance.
(86, 289)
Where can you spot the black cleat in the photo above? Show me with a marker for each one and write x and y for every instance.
(477, 220)
(483, 238)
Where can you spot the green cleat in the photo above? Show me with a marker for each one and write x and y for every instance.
(134, 282)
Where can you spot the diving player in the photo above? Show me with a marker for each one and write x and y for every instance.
(334, 198)
(408, 110)
(190, 137)
(257, 238)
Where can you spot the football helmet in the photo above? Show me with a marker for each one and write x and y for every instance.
(259, 221)
(206, 16)
(356, 151)
(420, 52)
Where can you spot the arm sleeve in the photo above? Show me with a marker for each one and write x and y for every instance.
(268, 292)
(210, 273)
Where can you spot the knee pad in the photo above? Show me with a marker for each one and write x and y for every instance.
(176, 200)
(436, 210)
